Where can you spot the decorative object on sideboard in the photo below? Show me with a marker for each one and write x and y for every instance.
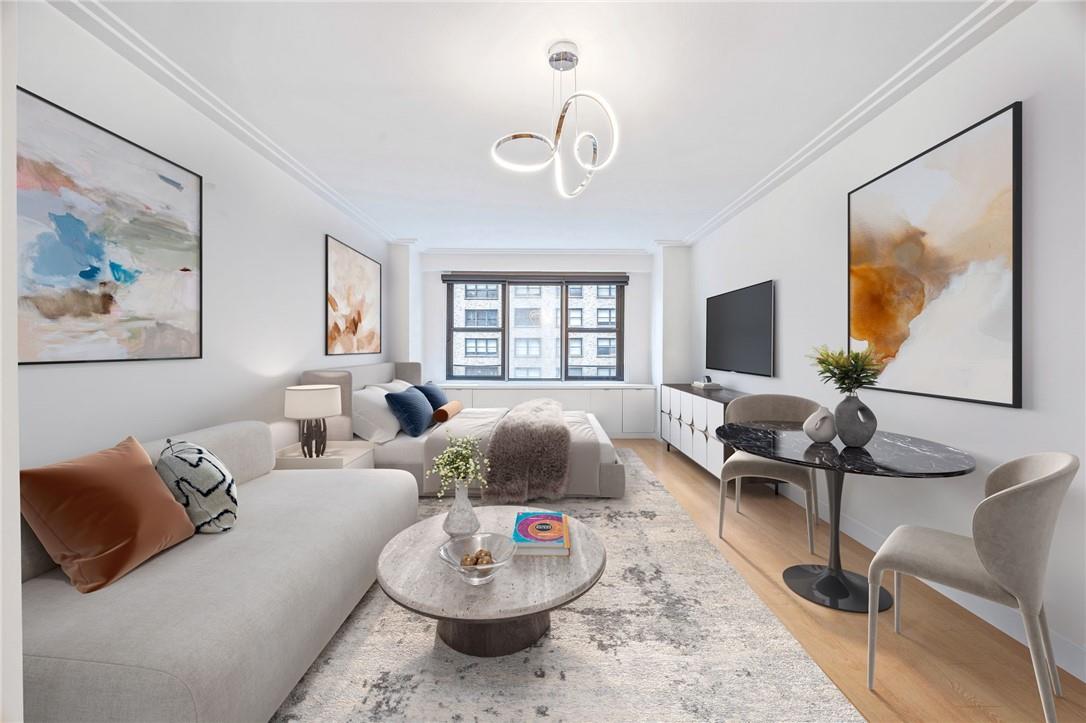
(820, 426)
(848, 371)
(706, 384)
(109, 237)
(935, 282)
(460, 465)
(562, 57)
(352, 309)
(310, 404)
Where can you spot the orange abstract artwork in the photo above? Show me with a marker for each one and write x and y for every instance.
(933, 254)
(353, 301)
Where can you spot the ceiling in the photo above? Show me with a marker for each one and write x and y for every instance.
(395, 105)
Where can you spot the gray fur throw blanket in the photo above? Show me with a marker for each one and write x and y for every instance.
(529, 454)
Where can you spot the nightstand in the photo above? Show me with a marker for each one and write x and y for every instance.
(355, 454)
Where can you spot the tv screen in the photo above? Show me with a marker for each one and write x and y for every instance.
(739, 330)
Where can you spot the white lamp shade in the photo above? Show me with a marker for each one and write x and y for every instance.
(312, 401)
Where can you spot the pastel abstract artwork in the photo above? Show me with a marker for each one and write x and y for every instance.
(934, 249)
(353, 301)
(109, 244)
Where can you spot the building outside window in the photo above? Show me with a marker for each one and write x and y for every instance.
(512, 327)
(481, 317)
(480, 291)
(527, 346)
(480, 347)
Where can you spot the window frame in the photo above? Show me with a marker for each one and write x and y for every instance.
(506, 323)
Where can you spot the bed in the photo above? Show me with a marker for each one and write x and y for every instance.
(594, 468)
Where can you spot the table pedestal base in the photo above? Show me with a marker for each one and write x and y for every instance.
(489, 640)
(837, 589)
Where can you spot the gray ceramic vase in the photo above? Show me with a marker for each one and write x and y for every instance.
(856, 423)
(820, 426)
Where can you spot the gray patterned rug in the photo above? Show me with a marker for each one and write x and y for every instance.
(670, 632)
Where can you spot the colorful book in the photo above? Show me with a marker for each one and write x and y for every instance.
(542, 533)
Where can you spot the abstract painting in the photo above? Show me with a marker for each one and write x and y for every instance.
(353, 300)
(109, 238)
(934, 267)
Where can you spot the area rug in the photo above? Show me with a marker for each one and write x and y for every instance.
(670, 632)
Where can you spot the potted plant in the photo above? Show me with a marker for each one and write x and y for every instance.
(848, 371)
(460, 465)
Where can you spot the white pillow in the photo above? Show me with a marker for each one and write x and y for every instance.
(396, 385)
(372, 419)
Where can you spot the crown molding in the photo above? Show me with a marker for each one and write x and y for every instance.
(665, 243)
(403, 241)
(102, 23)
(976, 26)
(455, 251)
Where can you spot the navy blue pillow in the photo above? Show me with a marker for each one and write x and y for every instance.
(433, 393)
(411, 409)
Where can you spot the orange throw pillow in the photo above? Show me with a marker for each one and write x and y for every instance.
(447, 411)
(102, 515)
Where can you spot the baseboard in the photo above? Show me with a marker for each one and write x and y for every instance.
(1069, 656)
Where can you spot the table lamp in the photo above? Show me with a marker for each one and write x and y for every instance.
(310, 404)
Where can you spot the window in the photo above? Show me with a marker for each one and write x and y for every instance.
(480, 347)
(528, 316)
(480, 317)
(527, 347)
(480, 291)
(537, 326)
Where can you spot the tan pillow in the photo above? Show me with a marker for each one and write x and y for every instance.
(102, 515)
(447, 411)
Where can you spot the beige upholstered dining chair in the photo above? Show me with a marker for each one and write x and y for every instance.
(1004, 561)
(769, 408)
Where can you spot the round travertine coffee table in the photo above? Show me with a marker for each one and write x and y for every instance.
(504, 616)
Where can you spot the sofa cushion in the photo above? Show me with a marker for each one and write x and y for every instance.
(103, 514)
(201, 483)
(222, 627)
(447, 411)
(244, 447)
(412, 409)
(372, 419)
(434, 394)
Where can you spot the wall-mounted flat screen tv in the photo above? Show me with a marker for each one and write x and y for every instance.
(739, 330)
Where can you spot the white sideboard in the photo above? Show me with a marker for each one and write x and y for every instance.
(688, 420)
(624, 410)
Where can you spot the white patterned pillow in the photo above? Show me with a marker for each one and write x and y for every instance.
(201, 483)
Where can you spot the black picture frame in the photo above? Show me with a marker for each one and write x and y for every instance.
(199, 240)
(1015, 109)
(328, 240)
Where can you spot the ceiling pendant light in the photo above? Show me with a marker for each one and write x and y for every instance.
(562, 57)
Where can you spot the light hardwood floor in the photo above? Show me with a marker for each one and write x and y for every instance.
(947, 665)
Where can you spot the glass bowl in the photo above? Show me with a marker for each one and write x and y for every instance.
(501, 549)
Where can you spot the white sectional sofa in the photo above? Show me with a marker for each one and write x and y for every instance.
(222, 626)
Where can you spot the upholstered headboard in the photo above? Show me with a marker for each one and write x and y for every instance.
(352, 378)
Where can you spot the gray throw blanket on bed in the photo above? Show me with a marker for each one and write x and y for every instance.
(529, 454)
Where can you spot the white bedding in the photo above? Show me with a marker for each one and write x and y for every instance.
(586, 435)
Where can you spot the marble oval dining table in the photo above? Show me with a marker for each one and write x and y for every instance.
(886, 455)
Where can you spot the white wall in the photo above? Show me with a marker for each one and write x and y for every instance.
(263, 265)
(638, 298)
(11, 629)
(798, 233)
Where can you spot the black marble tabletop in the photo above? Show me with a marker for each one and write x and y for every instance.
(886, 455)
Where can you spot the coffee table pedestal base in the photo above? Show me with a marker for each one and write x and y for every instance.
(837, 589)
(489, 640)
